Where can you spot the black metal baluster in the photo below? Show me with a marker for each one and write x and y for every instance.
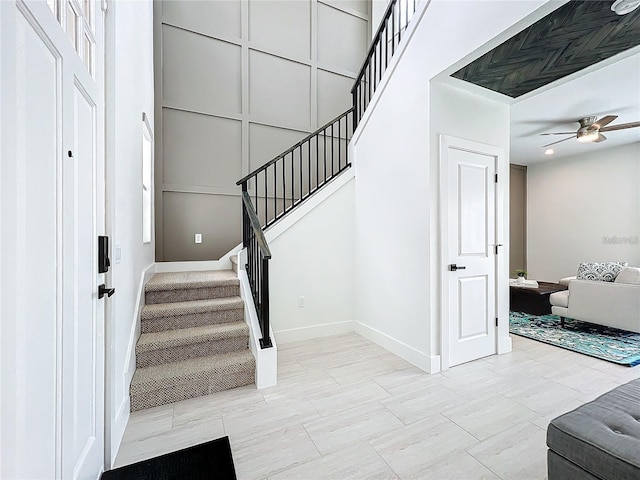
(293, 185)
(301, 184)
(399, 22)
(324, 153)
(317, 165)
(340, 145)
(309, 166)
(265, 197)
(393, 33)
(332, 155)
(275, 192)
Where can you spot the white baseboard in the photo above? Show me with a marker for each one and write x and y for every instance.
(428, 363)
(315, 331)
(123, 411)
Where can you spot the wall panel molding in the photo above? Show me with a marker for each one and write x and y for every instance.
(237, 82)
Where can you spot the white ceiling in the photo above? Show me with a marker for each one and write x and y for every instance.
(612, 89)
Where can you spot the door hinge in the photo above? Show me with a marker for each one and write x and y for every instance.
(496, 321)
(496, 178)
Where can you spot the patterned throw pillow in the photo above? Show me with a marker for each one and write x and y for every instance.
(600, 272)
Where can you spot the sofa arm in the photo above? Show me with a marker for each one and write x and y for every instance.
(565, 281)
(605, 303)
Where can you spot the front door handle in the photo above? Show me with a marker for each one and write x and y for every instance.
(103, 290)
(453, 267)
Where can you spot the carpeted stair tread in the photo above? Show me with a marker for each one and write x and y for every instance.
(234, 263)
(186, 280)
(186, 336)
(191, 371)
(164, 310)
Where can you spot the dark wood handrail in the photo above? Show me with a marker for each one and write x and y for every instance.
(255, 225)
(297, 145)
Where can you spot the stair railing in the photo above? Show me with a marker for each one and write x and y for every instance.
(384, 44)
(257, 267)
(280, 185)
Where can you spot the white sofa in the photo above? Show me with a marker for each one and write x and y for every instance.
(614, 304)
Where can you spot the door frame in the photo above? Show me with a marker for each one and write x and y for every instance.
(503, 341)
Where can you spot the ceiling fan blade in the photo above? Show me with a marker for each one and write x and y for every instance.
(622, 126)
(559, 141)
(606, 120)
(559, 133)
(601, 138)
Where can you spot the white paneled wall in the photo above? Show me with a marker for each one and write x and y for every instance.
(238, 82)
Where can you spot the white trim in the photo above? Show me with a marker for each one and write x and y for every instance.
(123, 411)
(428, 363)
(308, 205)
(315, 331)
(266, 358)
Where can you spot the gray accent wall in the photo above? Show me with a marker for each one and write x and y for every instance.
(236, 83)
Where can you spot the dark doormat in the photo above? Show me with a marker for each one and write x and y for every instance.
(211, 460)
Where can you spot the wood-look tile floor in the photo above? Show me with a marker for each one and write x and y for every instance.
(346, 408)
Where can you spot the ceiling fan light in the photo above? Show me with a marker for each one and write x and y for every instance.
(588, 137)
(622, 7)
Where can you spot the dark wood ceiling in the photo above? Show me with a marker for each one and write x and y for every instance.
(578, 34)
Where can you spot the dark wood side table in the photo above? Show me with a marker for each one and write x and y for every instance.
(533, 300)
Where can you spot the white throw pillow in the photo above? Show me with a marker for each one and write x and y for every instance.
(629, 275)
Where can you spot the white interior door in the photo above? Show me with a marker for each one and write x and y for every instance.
(52, 96)
(469, 259)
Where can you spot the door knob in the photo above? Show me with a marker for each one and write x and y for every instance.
(453, 267)
(103, 290)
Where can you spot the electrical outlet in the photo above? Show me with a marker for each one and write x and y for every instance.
(300, 302)
(198, 238)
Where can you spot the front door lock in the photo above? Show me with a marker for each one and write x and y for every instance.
(103, 290)
(453, 267)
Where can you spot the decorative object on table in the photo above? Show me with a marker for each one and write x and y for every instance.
(515, 282)
(521, 275)
(606, 343)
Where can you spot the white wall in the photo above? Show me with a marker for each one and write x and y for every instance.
(313, 259)
(129, 94)
(450, 115)
(396, 217)
(577, 205)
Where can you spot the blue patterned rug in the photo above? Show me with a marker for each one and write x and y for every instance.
(606, 343)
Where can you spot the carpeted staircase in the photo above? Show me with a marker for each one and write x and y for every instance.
(194, 340)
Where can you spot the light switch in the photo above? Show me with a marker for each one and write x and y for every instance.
(198, 238)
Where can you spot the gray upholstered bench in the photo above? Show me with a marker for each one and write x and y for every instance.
(599, 440)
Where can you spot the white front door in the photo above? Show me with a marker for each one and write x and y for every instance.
(469, 259)
(53, 111)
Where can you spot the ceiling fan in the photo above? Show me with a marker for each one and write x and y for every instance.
(591, 130)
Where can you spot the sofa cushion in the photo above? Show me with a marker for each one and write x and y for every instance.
(560, 299)
(600, 271)
(602, 436)
(629, 275)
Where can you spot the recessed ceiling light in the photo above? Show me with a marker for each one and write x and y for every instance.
(622, 7)
(548, 151)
